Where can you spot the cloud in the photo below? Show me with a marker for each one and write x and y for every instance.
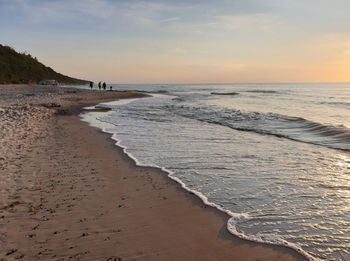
(248, 21)
(278, 33)
(63, 8)
(171, 19)
(146, 12)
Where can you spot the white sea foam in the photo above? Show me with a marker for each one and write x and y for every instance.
(92, 118)
(275, 190)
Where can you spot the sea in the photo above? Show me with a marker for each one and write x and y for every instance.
(275, 157)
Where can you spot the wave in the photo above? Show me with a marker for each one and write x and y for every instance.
(162, 91)
(262, 91)
(338, 104)
(234, 218)
(225, 93)
(282, 126)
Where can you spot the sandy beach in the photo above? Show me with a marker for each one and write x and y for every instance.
(68, 193)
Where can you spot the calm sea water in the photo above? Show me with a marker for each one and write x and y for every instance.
(274, 156)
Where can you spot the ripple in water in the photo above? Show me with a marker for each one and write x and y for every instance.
(288, 192)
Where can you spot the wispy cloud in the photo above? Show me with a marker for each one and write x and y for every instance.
(248, 21)
(144, 11)
(274, 33)
(171, 19)
(58, 10)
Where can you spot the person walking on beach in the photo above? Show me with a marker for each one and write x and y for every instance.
(104, 85)
(91, 85)
(99, 85)
(111, 88)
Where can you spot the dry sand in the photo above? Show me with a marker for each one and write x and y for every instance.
(68, 193)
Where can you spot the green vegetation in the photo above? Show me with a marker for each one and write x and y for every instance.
(23, 68)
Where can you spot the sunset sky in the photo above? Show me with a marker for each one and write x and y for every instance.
(184, 41)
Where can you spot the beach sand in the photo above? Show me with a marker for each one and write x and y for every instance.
(68, 193)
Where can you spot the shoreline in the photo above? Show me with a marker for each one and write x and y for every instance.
(147, 199)
(203, 200)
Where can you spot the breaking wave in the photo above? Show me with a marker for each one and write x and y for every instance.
(293, 128)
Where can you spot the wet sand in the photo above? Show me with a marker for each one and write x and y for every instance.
(68, 193)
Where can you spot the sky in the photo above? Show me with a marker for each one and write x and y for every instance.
(184, 41)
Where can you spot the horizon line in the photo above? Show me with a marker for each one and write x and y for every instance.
(213, 83)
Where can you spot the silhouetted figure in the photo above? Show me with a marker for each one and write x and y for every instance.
(99, 85)
(104, 85)
(111, 88)
(91, 85)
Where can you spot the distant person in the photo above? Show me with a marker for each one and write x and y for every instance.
(91, 85)
(99, 85)
(111, 88)
(104, 85)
